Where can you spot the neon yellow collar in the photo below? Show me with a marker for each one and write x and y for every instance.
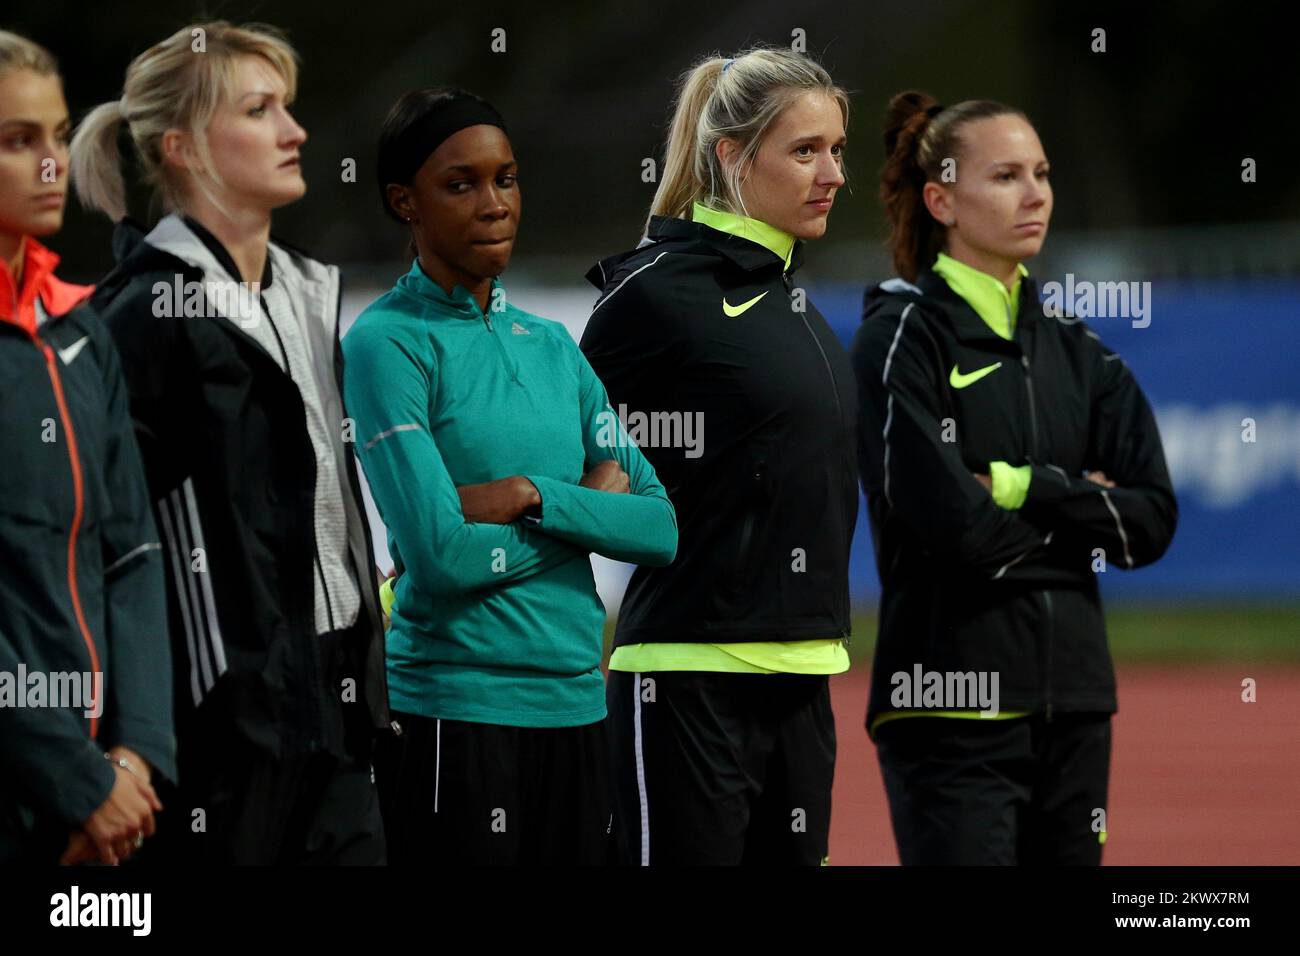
(769, 237)
(983, 293)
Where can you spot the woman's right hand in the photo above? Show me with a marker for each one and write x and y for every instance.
(497, 502)
(124, 818)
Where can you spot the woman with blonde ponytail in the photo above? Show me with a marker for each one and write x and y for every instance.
(229, 340)
(718, 695)
(81, 592)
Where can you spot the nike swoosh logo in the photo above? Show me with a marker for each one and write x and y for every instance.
(73, 350)
(735, 310)
(957, 380)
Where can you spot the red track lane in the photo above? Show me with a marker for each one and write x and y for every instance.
(1198, 777)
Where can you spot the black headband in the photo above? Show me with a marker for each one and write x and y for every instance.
(400, 160)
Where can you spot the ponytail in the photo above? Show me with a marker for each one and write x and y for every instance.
(96, 166)
(919, 135)
(683, 184)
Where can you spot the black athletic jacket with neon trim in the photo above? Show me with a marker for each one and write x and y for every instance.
(970, 586)
(766, 510)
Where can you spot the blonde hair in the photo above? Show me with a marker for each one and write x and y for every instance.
(737, 98)
(175, 84)
(19, 53)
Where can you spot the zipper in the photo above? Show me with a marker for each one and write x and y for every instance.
(1033, 417)
(313, 717)
(501, 349)
(835, 390)
(79, 497)
(830, 374)
(1047, 596)
(324, 586)
(320, 571)
(747, 532)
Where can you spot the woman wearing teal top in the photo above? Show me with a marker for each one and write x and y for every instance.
(498, 468)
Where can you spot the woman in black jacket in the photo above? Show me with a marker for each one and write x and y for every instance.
(740, 396)
(1006, 455)
(230, 345)
(84, 670)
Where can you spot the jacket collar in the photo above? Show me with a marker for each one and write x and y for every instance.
(221, 254)
(748, 252)
(774, 240)
(990, 299)
(18, 303)
(459, 303)
(172, 246)
(177, 235)
(966, 323)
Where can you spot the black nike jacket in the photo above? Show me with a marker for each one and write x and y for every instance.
(701, 323)
(968, 585)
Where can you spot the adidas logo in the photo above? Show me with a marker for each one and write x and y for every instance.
(518, 329)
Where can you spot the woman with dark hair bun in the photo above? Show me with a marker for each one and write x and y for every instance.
(498, 468)
(1006, 455)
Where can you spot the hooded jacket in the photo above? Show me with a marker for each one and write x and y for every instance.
(232, 470)
(698, 325)
(967, 585)
(81, 599)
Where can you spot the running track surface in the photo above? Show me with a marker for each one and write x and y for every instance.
(1198, 777)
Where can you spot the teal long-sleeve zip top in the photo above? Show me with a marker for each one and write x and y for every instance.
(495, 624)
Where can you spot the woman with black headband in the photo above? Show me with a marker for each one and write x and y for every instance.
(498, 468)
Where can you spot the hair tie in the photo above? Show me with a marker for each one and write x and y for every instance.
(726, 66)
(935, 110)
